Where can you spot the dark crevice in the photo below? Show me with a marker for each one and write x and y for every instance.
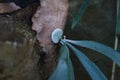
(21, 3)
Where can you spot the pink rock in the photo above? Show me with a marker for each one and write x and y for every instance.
(8, 7)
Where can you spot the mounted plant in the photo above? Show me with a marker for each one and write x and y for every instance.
(64, 70)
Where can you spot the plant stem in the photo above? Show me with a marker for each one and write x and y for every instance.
(114, 65)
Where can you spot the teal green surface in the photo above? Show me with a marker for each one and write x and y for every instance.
(103, 49)
(90, 67)
(64, 70)
(118, 18)
(80, 13)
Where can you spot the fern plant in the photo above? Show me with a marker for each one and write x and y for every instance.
(64, 69)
